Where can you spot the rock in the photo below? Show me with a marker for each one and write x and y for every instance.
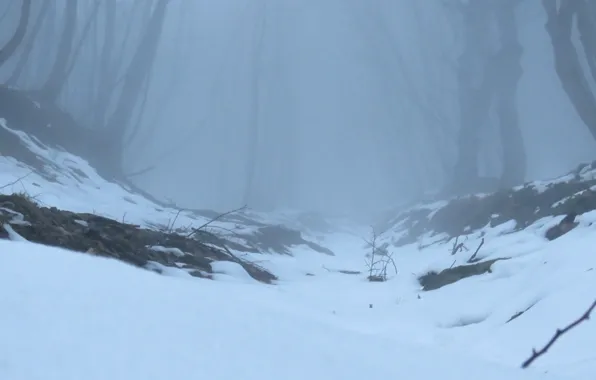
(567, 224)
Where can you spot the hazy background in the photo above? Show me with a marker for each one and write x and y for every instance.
(353, 102)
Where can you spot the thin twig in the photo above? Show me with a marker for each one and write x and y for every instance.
(458, 247)
(171, 227)
(236, 234)
(471, 259)
(195, 230)
(536, 354)
(16, 181)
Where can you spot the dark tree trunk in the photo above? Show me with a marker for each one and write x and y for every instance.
(136, 74)
(474, 95)
(106, 71)
(567, 64)
(11, 46)
(586, 25)
(508, 72)
(91, 19)
(24, 57)
(59, 73)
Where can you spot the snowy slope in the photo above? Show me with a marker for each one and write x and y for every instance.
(68, 182)
(71, 316)
(75, 316)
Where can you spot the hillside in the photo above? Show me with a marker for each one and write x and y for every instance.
(95, 317)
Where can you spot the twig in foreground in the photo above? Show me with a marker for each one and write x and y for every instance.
(16, 180)
(536, 354)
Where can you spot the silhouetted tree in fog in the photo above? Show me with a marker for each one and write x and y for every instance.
(474, 92)
(91, 20)
(507, 72)
(28, 48)
(575, 82)
(488, 79)
(136, 74)
(106, 70)
(11, 46)
(59, 72)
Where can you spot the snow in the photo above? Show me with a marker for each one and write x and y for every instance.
(83, 316)
(74, 316)
(161, 248)
(76, 183)
(71, 316)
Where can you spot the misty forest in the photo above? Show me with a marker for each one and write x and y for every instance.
(297, 189)
(341, 107)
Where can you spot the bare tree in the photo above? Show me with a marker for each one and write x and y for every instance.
(59, 73)
(106, 70)
(574, 81)
(379, 259)
(91, 20)
(136, 74)
(507, 71)
(28, 48)
(474, 93)
(489, 79)
(11, 46)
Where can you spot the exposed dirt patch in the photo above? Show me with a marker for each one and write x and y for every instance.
(101, 236)
(436, 280)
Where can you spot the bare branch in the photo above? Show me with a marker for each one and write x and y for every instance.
(171, 226)
(457, 246)
(16, 180)
(536, 354)
(473, 257)
(195, 230)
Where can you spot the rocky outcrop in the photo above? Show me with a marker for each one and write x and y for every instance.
(567, 224)
(20, 217)
(574, 193)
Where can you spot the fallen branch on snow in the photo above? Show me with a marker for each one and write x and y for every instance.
(560, 332)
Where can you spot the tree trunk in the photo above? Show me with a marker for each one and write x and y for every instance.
(24, 57)
(106, 71)
(507, 73)
(11, 46)
(136, 74)
(586, 25)
(567, 64)
(91, 19)
(474, 95)
(59, 73)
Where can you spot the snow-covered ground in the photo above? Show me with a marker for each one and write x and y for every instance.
(72, 316)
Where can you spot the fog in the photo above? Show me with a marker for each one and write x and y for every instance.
(350, 106)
